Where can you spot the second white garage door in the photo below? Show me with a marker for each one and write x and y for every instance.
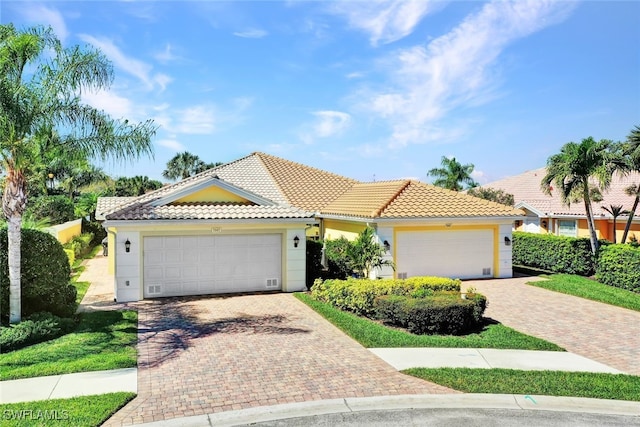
(197, 265)
(465, 254)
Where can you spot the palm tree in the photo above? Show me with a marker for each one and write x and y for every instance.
(47, 97)
(453, 174)
(183, 165)
(573, 168)
(632, 152)
(135, 186)
(615, 211)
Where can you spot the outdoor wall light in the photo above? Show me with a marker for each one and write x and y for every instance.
(544, 223)
(507, 241)
(296, 240)
(387, 246)
(127, 246)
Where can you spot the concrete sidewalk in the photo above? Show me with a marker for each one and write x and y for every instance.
(100, 382)
(69, 385)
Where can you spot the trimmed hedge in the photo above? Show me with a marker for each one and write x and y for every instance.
(558, 254)
(45, 274)
(38, 328)
(619, 266)
(358, 295)
(441, 313)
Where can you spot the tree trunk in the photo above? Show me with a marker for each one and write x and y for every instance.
(592, 227)
(13, 203)
(630, 219)
(614, 230)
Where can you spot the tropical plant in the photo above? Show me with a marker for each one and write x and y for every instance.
(40, 87)
(183, 165)
(367, 254)
(135, 186)
(632, 152)
(572, 169)
(492, 194)
(615, 211)
(452, 175)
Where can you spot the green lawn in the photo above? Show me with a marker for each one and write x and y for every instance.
(590, 289)
(102, 340)
(372, 334)
(547, 383)
(86, 411)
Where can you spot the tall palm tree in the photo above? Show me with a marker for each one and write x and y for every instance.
(632, 152)
(453, 174)
(183, 165)
(572, 169)
(615, 211)
(47, 96)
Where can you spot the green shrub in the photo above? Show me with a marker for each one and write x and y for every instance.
(45, 274)
(95, 228)
(558, 254)
(39, 327)
(314, 261)
(619, 266)
(440, 313)
(338, 262)
(80, 245)
(358, 295)
(71, 255)
(57, 209)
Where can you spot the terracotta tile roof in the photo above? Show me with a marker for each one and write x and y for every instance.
(366, 200)
(419, 200)
(210, 211)
(106, 205)
(526, 188)
(303, 186)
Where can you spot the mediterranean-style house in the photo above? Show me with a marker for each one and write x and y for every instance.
(243, 226)
(547, 214)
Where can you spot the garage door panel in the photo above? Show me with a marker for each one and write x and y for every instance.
(461, 254)
(193, 265)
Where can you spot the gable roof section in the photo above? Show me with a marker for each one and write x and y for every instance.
(365, 200)
(419, 200)
(107, 205)
(526, 188)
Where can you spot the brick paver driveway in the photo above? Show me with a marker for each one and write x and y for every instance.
(205, 355)
(602, 332)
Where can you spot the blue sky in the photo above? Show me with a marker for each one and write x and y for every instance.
(368, 89)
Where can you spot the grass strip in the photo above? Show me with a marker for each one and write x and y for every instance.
(103, 340)
(373, 334)
(544, 383)
(87, 411)
(590, 289)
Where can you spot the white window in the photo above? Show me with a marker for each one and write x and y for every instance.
(567, 227)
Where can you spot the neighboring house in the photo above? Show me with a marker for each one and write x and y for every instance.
(242, 227)
(547, 214)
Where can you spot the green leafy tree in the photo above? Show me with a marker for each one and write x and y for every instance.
(136, 186)
(572, 169)
(183, 165)
(40, 84)
(492, 194)
(452, 175)
(366, 254)
(632, 153)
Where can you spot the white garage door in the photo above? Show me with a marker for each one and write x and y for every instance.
(197, 265)
(464, 254)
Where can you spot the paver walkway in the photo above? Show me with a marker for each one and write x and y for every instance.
(214, 354)
(601, 332)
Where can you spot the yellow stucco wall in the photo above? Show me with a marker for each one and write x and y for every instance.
(67, 231)
(334, 229)
(211, 194)
(602, 228)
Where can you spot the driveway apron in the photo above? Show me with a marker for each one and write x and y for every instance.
(206, 355)
(602, 332)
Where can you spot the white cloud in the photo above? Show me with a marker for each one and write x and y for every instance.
(355, 75)
(251, 33)
(113, 104)
(166, 55)
(135, 67)
(456, 69)
(42, 14)
(385, 20)
(172, 144)
(330, 123)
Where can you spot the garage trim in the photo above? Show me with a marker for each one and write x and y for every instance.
(494, 228)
